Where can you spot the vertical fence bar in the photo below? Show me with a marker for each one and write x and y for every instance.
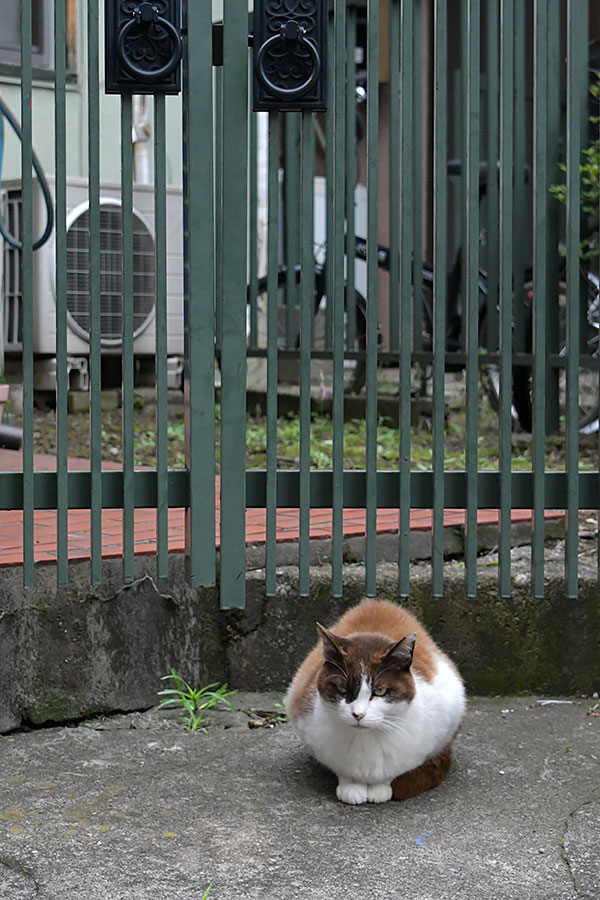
(409, 269)
(199, 282)
(95, 299)
(60, 274)
(218, 208)
(521, 218)
(471, 168)
(417, 81)
(491, 205)
(292, 125)
(555, 174)
(491, 221)
(306, 321)
(439, 286)
(127, 361)
(160, 318)
(540, 256)
(330, 192)
(341, 53)
(457, 146)
(395, 167)
(272, 331)
(595, 108)
(351, 156)
(506, 286)
(577, 36)
(233, 366)
(372, 293)
(252, 220)
(27, 303)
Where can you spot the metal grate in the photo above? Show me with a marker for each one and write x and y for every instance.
(12, 290)
(111, 282)
(78, 262)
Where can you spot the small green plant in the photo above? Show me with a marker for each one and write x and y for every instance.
(282, 714)
(194, 703)
(590, 188)
(207, 891)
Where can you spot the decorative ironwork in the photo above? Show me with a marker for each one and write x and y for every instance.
(290, 54)
(143, 46)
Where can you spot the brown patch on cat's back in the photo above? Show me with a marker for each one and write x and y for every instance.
(395, 622)
(304, 685)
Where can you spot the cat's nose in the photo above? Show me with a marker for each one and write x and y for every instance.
(358, 716)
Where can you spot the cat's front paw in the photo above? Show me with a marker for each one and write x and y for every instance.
(350, 792)
(379, 793)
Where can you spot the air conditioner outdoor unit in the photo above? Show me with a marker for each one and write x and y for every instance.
(78, 292)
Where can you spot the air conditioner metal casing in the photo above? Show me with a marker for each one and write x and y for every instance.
(44, 275)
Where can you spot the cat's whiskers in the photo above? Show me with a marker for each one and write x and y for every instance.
(393, 726)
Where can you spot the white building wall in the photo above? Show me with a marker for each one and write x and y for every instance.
(77, 117)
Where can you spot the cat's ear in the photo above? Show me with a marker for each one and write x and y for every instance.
(333, 647)
(400, 654)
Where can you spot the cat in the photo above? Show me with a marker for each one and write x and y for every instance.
(378, 703)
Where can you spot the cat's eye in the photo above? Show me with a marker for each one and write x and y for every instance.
(380, 691)
(341, 688)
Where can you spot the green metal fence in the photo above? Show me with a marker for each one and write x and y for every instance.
(470, 108)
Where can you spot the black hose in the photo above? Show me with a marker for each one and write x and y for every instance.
(8, 237)
(10, 438)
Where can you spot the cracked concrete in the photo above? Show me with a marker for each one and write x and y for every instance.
(75, 652)
(17, 880)
(133, 807)
(581, 848)
(145, 580)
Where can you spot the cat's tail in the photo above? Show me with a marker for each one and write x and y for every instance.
(431, 773)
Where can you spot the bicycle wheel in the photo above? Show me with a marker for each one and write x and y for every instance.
(589, 378)
(489, 373)
(257, 330)
(453, 322)
(259, 339)
(354, 369)
(588, 381)
(521, 408)
(357, 380)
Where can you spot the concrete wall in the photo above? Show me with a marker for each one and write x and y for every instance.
(72, 653)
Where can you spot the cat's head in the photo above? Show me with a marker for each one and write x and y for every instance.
(366, 679)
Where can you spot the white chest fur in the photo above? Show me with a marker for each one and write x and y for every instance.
(391, 738)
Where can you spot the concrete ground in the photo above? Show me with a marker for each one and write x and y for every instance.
(133, 807)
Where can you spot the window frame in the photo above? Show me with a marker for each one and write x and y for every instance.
(42, 57)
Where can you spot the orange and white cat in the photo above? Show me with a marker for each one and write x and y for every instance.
(378, 703)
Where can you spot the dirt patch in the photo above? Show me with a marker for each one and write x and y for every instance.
(78, 430)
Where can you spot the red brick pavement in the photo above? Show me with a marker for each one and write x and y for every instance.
(11, 537)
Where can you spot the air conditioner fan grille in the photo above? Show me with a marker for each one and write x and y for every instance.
(111, 277)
